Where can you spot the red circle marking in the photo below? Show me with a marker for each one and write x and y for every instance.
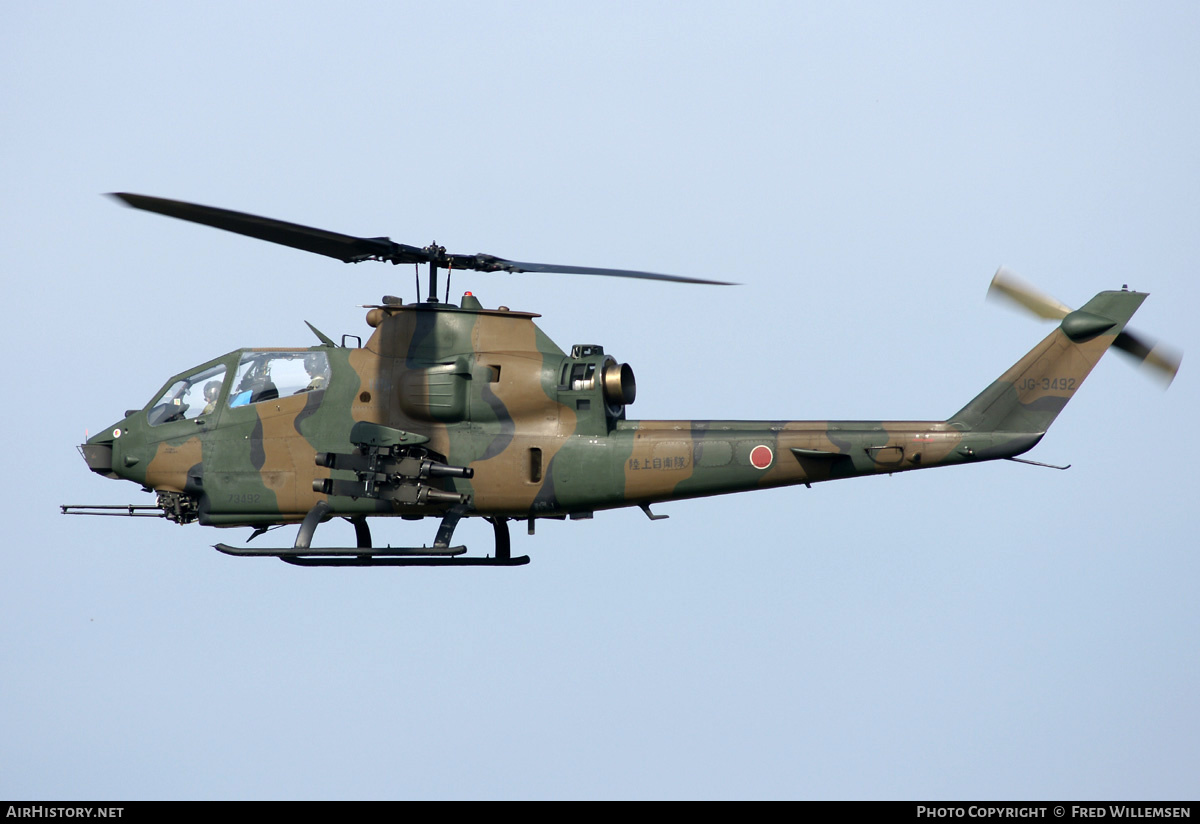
(761, 456)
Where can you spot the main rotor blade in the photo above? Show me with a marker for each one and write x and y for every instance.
(346, 248)
(1007, 285)
(1163, 360)
(351, 249)
(555, 268)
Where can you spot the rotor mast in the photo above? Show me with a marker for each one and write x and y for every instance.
(436, 253)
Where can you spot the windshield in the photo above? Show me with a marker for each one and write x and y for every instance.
(189, 397)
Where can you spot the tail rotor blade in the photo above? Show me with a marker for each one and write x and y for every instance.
(1162, 360)
(1008, 286)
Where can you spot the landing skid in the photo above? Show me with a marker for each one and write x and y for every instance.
(425, 561)
(440, 554)
(357, 556)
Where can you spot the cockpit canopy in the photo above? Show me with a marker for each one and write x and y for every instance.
(257, 375)
(264, 376)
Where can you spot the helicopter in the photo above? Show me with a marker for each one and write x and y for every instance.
(453, 411)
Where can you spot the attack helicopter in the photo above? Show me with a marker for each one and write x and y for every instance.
(457, 411)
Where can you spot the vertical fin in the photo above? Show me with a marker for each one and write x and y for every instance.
(1029, 396)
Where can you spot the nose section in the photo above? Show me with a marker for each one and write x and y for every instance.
(98, 451)
(98, 457)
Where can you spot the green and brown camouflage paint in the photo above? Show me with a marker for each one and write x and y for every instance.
(487, 389)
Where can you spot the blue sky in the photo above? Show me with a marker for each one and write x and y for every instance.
(996, 631)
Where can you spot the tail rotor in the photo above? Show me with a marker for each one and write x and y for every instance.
(1163, 361)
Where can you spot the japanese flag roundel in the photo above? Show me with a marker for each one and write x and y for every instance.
(761, 456)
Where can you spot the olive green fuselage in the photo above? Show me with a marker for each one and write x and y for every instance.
(542, 432)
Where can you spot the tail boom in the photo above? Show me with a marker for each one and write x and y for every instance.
(643, 462)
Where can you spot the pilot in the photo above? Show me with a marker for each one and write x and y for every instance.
(317, 368)
(256, 385)
(211, 390)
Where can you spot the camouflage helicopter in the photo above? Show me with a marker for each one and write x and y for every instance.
(453, 411)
